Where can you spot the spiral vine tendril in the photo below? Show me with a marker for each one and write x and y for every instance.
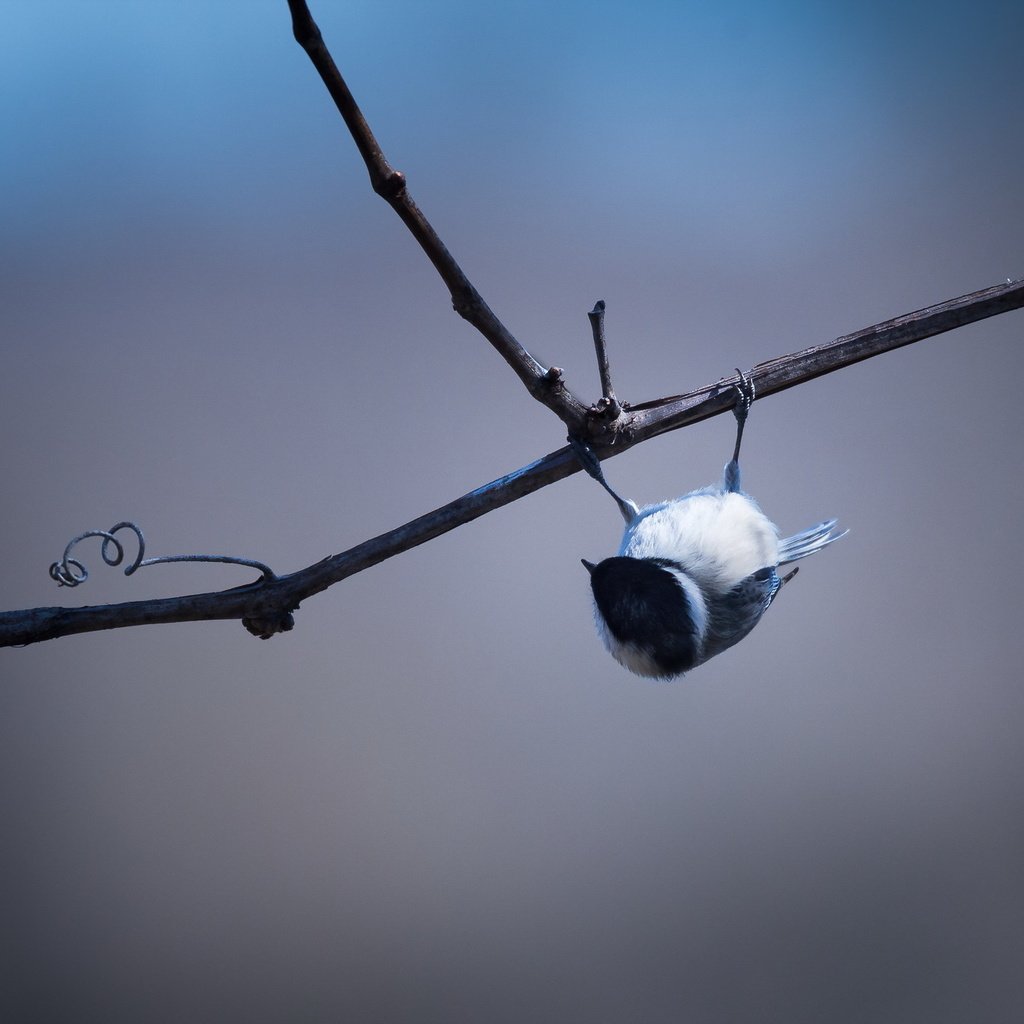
(69, 572)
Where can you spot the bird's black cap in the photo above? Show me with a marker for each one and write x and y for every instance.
(644, 604)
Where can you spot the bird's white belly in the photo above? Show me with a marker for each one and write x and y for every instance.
(719, 537)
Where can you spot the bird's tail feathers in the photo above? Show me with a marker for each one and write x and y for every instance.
(805, 543)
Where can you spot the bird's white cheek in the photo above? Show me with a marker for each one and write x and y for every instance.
(695, 599)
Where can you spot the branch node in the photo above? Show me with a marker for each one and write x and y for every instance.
(269, 624)
(466, 302)
(390, 186)
(549, 383)
(304, 28)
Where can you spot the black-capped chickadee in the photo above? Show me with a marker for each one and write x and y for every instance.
(693, 576)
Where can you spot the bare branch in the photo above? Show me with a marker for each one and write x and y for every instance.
(265, 606)
(787, 371)
(544, 383)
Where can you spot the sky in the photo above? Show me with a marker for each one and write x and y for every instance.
(438, 798)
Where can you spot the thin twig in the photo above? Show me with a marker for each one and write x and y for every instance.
(69, 572)
(265, 606)
(608, 407)
(544, 383)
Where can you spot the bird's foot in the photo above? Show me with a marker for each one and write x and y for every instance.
(744, 396)
(586, 457)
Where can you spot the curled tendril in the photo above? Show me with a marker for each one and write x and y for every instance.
(69, 572)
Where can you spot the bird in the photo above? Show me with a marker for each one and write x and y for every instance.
(694, 575)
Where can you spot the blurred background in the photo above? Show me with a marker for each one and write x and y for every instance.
(438, 798)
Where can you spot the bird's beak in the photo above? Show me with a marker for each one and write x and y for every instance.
(589, 566)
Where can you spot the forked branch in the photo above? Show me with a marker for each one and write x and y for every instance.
(265, 606)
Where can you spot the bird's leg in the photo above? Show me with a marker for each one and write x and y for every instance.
(592, 465)
(744, 400)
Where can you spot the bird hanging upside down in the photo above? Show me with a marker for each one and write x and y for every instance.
(693, 576)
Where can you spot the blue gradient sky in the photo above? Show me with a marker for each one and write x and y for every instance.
(438, 798)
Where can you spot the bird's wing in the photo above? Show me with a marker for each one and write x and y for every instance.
(736, 612)
(805, 543)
